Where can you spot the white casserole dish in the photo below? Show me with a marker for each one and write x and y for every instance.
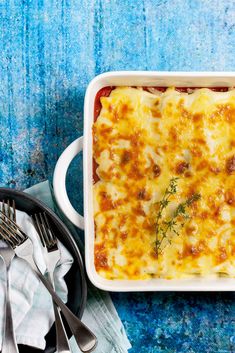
(128, 78)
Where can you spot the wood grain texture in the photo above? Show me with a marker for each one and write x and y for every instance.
(49, 52)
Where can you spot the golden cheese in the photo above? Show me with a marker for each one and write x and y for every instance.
(141, 141)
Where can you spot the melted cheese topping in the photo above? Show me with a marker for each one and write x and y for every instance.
(141, 141)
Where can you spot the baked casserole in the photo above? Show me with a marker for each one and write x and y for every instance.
(164, 183)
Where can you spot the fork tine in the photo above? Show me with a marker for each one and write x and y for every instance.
(13, 213)
(8, 209)
(38, 228)
(5, 220)
(47, 227)
(3, 208)
(4, 211)
(13, 229)
(44, 230)
(46, 233)
(6, 235)
(5, 226)
(52, 235)
(14, 210)
(13, 224)
(42, 225)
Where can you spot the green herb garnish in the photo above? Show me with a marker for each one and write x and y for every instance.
(174, 224)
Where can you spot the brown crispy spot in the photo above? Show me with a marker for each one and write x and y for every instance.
(173, 134)
(188, 174)
(105, 131)
(217, 211)
(165, 148)
(204, 215)
(214, 169)
(200, 141)
(190, 229)
(123, 219)
(154, 254)
(181, 167)
(156, 170)
(138, 210)
(101, 260)
(225, 112)
(219, 192)
(230, 165)
(196, 151)
(123, 235)
(222, 256)
(149, 225)
(135, 139)
(193, 250)
(156, 113)
(124, 109)
(184, 112)
(202, 165)
(197, 117)
(106, 202)
(135, 172)
(126, 157)
(141, 194)
(230, 197)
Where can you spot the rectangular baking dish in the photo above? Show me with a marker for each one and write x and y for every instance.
(141, 78)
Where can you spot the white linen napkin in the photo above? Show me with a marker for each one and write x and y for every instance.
(31, 303)
(100, 314)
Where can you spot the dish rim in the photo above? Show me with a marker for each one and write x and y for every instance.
(148, 78)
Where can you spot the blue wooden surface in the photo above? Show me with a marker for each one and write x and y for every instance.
(49, 51)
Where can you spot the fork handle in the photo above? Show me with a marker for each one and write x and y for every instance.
(85, 339)
(62, 343)
(9, 344)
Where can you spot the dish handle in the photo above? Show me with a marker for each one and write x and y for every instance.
(59, 182)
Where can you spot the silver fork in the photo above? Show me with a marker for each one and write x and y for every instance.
(23, 248)
(9, 344)
(52, 256)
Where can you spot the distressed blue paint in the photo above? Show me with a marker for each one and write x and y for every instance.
(49, 52)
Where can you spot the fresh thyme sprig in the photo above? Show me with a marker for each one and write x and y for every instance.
(173, 225)
(170, 190)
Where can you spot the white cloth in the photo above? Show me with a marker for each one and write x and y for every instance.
(100, 314)
(31, 303)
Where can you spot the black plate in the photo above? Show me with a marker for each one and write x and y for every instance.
(75, 278)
